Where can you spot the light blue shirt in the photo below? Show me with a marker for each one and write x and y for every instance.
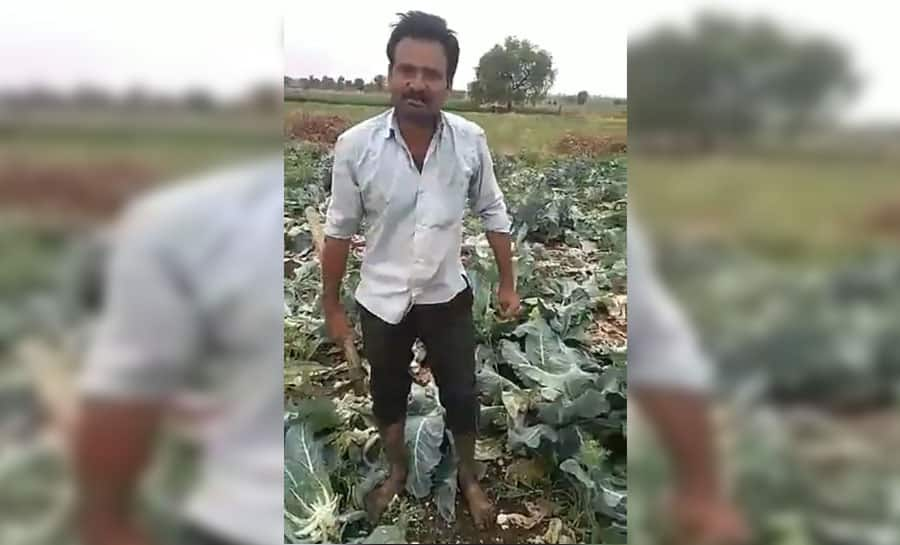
(415, 220)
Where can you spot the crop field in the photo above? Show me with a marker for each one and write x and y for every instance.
(551, 383)
(62, 179)
(512, 133)
(788, 264)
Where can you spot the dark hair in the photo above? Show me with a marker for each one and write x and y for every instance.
(424, 26)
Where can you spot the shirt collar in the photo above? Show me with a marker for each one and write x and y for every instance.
(390, 124)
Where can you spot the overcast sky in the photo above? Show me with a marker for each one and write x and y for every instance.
(169, 45)
(173, 45)
(868, 28)
(587, 39)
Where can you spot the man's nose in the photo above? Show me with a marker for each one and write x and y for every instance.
(417, 82)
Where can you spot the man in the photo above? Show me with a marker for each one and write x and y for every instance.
(671, 381)
(409, 172)
(193, 304)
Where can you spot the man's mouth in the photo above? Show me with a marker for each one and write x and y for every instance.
(415, 103)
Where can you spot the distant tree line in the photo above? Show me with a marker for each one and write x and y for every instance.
(86, 97)
(341, 83)
(378, 84)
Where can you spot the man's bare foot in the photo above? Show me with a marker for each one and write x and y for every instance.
(479, 505)
(378, 500)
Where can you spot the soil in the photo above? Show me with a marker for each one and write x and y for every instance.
(580, 144)
(320, 129)
(95, 190)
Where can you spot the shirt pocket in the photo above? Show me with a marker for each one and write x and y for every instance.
(375, 188)
(452, 190)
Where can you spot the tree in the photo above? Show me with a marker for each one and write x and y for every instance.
(726, 76)
(582, 97)
(379, 82)
(328, 83)
(341, 82)
(359, 84)
(517, 71)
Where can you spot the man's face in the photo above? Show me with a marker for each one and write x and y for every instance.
(418, 80)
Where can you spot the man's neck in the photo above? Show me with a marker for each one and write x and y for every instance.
(417, 133)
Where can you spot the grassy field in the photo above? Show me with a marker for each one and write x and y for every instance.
(786, 206)
(595, 105)
(507, 133)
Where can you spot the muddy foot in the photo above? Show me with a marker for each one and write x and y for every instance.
(378, 500)
(479, 505)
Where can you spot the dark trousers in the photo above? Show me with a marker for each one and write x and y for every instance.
(448, 333)
(194, 535)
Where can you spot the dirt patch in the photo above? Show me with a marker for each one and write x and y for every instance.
(95, 190)
(884, 220)
(611, 329)
(430, 527)
(581, 144)
(320, 129)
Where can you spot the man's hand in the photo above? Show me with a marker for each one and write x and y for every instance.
(508, 301)
(704, 519)
(337, 322)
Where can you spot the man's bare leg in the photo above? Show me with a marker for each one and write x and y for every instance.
(479, 505)
(392, 439)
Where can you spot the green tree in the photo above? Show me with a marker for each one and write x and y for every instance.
(379, 81)
(515, 72)
(341, 82)
(582, 97)
(359, 84)
(727, 76)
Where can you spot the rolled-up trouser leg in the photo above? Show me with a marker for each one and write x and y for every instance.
(448, 333)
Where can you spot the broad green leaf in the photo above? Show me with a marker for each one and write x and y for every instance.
(530, 436)
(446, 485)
(309, 501)
(564, 377)
(563, 412)
(424, 435)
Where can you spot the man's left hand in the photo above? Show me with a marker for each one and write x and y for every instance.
(508, 301)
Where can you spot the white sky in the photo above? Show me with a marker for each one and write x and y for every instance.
(868, 28)
(173, 45)
(587, 39)
(169, 45)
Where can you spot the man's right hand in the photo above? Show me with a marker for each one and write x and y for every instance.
(337, 322)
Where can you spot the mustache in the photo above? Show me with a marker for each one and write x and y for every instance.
(415, 96)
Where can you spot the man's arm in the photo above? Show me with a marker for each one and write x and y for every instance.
(146, 340)
(112, 446)
(681, 420)
(341, 222)
(672, 381)
(501, 245)
(487, 202)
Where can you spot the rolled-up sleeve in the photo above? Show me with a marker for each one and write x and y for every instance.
(663, 351)
(485, 196)
(345, 209)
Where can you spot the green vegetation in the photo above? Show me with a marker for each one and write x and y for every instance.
(551, 383)
(507, 133)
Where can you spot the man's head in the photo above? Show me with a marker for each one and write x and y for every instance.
(422, 57)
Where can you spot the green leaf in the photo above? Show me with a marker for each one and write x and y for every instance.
(530, 436)
(424, 435)
(320, 413)
(552, 371)
(563, 412)
(423, 400)
(386, 534)
(310, 503)
(446, 484)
